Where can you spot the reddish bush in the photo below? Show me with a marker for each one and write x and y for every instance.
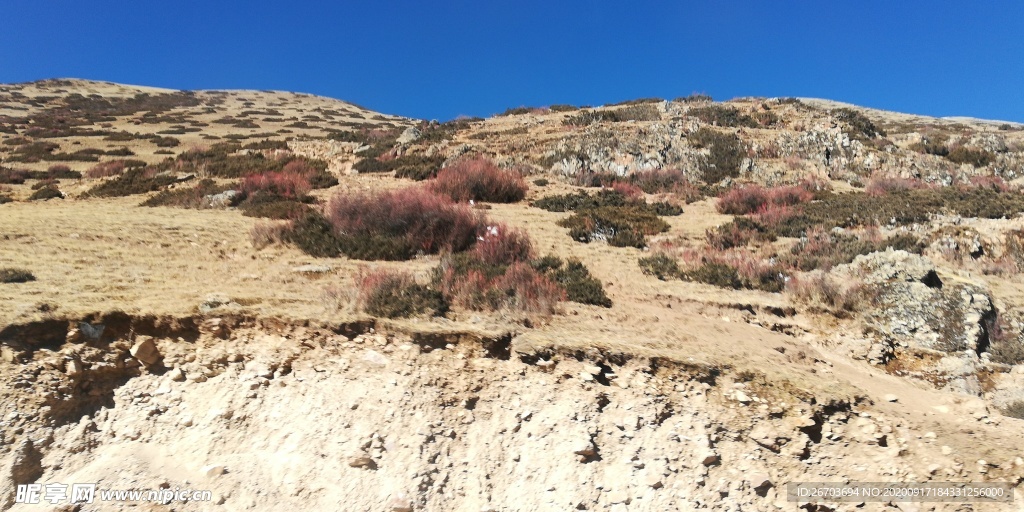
(752, 198)
(672, 181)
(995, 183)
(881, 185)
(413, 216)
(501, 245)
(298, 166)
(629, 190)
(522, 288)
(743, 200)
(478, 179)
(519, 288)
(772, 216)
(106, 169)
(282, 184)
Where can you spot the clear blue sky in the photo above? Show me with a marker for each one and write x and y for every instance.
(442, 59)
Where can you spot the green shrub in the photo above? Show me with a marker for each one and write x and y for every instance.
(47, 192)
(643, 112)
(908, 207)
(166, 142)
(860, 127)
(397, 295)
(975, 157)
(314, 235)
(720, 115)
(133, 181)
(273, 207)
(661, 266)
(541, 182)
(821, 249)
(620, 226)
(15, 275)
(574, 277)
(726, 154)
(716, 274)
(694, 98)
(188, 197)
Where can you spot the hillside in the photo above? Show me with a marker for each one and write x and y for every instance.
(293, 301)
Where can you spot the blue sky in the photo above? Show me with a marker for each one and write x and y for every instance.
(438, 60)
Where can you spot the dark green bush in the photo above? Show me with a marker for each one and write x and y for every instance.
(188, 197)
(396, 295)
(133, 181)
(273, 207)
(15, 275)
(907, 207)
(720, 115)
(47, 192)
(166, 142)
(975, 157)
(575, 279)
(661, 266)
(621, 226)
(860, 127)
(695, 98)
(314, 235)
(726, 154)
(541, 182)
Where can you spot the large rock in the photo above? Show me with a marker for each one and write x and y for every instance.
(145, 350)
(916, 309)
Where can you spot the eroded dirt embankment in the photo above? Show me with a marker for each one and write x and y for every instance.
(269, 415)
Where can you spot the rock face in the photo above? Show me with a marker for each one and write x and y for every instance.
(918, 310)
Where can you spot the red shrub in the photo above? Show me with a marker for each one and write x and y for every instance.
(752, 198)
(501, 245)
(522, 288)
(298, 166)
(771, 215)
(519, 288)
(743, 200)
(427, 221)
(478, 179)
(106, 169)
(995, 183)
(283, 184)
(881, 185)
(629, 190)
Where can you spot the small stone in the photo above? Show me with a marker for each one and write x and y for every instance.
(759, 480)
(593, 370)
(742, 397)
(374, 357)
(586, 377)
(311, 269)
(176, 375)
(145, 350)
(618, 496)
(947, 450)
(710, 459)
(362, 460)
(73, 368)
(400, 503)
(214, 470)
(891, 398)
